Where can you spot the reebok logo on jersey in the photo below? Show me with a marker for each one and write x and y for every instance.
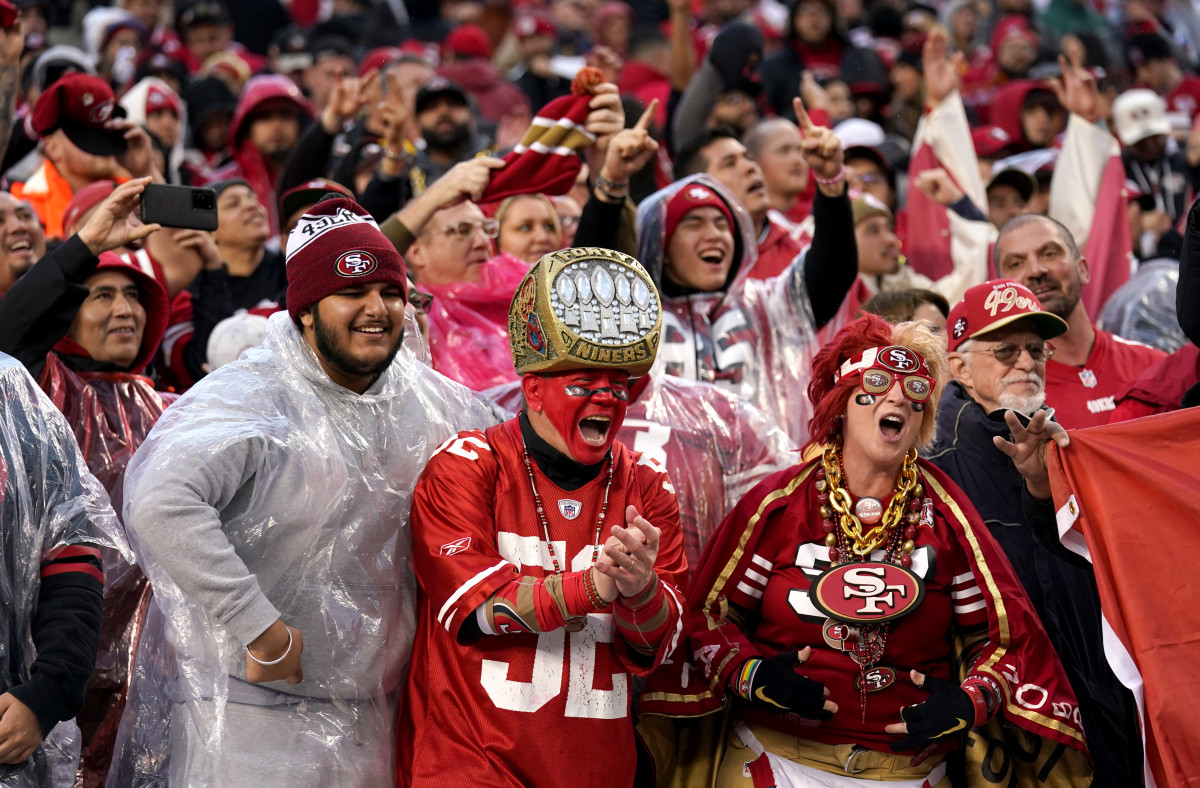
(455, 547)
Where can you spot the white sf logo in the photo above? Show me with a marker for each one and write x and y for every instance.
(867, 582)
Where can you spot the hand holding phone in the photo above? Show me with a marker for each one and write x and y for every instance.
(187, 207)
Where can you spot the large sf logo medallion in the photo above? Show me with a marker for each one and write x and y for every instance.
(867, 593)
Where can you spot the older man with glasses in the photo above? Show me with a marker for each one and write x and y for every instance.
(999, 347)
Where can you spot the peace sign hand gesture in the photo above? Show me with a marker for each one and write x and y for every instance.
(822, 151)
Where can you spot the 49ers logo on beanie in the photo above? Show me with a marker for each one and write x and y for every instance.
(354, 264)
(689, 199)
(318, 263)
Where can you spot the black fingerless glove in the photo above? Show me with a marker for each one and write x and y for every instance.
(773, 684)
(950, 712)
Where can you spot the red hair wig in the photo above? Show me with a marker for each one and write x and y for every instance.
(828, 398)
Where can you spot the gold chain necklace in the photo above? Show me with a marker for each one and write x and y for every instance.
(863, 543)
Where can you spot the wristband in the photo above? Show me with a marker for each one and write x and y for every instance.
(605, 185)
(743, 680)
(839, 176)
(589, 587)
(282, 656)
(985, 697)
(391, 155)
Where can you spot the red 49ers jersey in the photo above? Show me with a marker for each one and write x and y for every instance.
(1086, 396)
(521, 709)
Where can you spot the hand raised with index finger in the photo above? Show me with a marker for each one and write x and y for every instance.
(822, 151)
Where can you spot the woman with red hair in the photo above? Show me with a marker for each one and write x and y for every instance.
(853, 615)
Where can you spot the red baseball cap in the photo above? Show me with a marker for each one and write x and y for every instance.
(159, 99)
(81, 105)
(995, 304)
(378, 58)
(307, 195)
(468, 41)
(84, 200)
(990, 141)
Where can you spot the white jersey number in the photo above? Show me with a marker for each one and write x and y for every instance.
(583, 700)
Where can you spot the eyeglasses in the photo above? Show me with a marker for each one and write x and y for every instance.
(420, 302)
(567, 222)
(1008, 353)
(464, 230)
(916, 388)
(866, 178)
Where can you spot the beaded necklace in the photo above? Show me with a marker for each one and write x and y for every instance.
(575, 623)
(848, 542)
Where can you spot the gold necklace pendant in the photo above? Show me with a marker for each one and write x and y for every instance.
(864, 542)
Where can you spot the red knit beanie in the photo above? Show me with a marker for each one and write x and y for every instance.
(688, 199)
(335, 245)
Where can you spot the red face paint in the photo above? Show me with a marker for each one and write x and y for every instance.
(587, 408)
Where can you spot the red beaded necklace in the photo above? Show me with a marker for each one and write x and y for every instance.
(576, 623)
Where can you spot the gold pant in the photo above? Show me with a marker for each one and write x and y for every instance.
(830, 758)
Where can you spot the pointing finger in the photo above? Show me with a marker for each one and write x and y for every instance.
(644, 121)
(802, 119)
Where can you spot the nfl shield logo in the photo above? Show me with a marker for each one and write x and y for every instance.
(1088, 377)
(570, 509)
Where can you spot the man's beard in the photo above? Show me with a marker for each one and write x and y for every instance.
(337, 357)
(450, 141)
(1026, 404)
(1064, 302)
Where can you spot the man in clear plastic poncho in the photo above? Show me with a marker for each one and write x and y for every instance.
(755, 338)
(52, 514)
(269, 508)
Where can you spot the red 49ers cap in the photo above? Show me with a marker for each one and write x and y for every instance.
(81, 105)
(995, 304)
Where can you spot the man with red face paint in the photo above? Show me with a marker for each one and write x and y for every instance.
(550, 556)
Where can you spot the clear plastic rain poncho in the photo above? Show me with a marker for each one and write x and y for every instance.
(268, 491)
(1143, 309)
(49, 500)
(755, 339)
(111, 413)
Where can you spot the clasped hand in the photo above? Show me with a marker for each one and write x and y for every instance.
(626, 564)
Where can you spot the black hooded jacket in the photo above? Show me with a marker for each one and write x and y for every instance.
(1061, 585)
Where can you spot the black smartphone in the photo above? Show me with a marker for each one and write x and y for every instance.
(187, 207)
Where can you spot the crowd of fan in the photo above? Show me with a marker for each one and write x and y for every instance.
(777, 169)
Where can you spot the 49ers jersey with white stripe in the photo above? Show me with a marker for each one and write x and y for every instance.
(519, 708)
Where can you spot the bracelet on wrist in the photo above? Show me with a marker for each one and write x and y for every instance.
(282, 656)
(610, 186)
(589, 588)
(743, 679)
(392, 155)
(985, 697)
(841, 174)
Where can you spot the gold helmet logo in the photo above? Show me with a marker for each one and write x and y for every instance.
(585, 308)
